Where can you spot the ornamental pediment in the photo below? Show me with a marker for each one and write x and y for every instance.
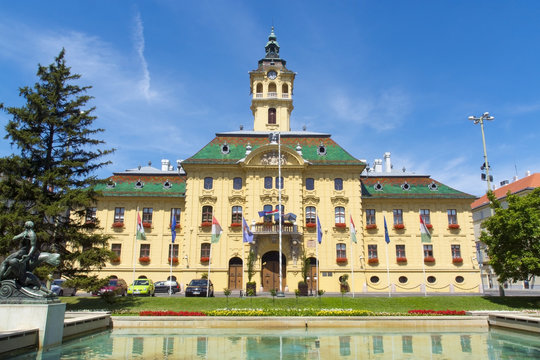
(338, 200)
(207, 199)
(271, 155)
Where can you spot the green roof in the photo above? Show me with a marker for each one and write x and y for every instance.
(408, 187)
(212, 153)
(141, 185)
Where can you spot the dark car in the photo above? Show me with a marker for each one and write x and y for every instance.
(199, 287)
(117, 286)
(170, 287)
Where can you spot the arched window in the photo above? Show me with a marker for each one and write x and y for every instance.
(310, 184)
(205, 251)
(237, 183)
(208, 183)
(310, 215)
(236, 214)
(207, 214)
(272, 89)
(341, 251)
(340, 215)
(271, 116)
(259, 90)
(285, 89)
(338, 184)
(267, 182)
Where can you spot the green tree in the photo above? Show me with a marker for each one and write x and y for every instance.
(48, 179)
(513, 236)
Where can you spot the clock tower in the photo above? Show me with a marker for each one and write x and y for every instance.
(271, 89)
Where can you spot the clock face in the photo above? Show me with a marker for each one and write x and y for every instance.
(272, 74)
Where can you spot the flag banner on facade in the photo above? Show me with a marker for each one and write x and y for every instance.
(386, 237)
(173, 228)
(140, 228)
(319, 230)
(424, 232)
(247, 236)
(271, 212)
(353, 231)
(289, 217)
(216, 230)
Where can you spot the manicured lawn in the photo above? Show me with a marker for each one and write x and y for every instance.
(130, 305)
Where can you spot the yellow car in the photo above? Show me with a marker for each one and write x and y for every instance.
(141, 287)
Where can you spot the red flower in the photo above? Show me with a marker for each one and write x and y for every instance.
(453, 226)
(341, 260)
(311, 225)
(371, 226)
(171, 313)
(174, 260)
(341, 225)
(373, 261)
(236, 225)
(429, 226)
(144, 259)
(401, 259)
(115, 260)
(205, 259)
(147, 224)
(177, 226)
(399, 226)
(429, 259)
(206, 224)
(118, 224)
(457, 260)
(437, 312)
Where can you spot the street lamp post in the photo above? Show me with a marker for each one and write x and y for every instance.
(480, 119)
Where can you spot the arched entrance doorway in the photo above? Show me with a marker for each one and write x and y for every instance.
(173, 278)
(270, 271)
(313, 277)
(235, 273)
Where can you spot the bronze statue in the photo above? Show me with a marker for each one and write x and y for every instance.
(16, 270)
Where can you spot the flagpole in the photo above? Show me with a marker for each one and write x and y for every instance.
(243, 253)
(135, 244)
(279, 216)
(388, 273)
(316, 253)
(208, 278)
(170, 271)
(352, 271)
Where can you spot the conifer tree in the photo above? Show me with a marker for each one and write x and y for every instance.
(48, 178)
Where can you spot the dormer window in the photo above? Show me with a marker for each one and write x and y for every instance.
(433, 186)
(225, 148)
(111, 184)
(139, 184)
(272, 116)
(405, 186)
(321, 150)
(378, 186)
(167, 184)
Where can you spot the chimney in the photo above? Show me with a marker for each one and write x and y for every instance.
(387, 162)
(515, 178)
(377, 164)
(165, 165)
(528, 173)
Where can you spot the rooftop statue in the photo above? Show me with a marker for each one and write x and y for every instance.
(18, 283)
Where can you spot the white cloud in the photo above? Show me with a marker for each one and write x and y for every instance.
(139, 47)
(384, 111)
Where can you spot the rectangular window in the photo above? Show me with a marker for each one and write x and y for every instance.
(236, 215)
(237, 183)
(338, 184)
(310, 215)
(370, 217)
(119, 215)
(91, 214)
(310, 184)
(400, 251)
(267, 218)
(406, 344)
(147, 215)
(117, 249)
(452, 216)
(398, 217)
(276, 215)
(341, 251)
(372, 251)
(428, 251)
(175, 213)
(174, 251)
(208, 183)
(268, 182)
(424, 213)
(145, 250)
(340, 215)
(205, 250)
(456, 251)
(279, 182)
(207, 214)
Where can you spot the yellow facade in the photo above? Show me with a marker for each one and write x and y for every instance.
(236, 175)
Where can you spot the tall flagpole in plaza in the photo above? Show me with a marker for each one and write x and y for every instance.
(279, 217)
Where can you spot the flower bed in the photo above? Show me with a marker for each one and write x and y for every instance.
(453, 226)
(457, 260)
(144, 259)
(437, 312)
(205, 259)
(373, 261)
(147, 225)
(289, 312)
(429, 259)
(236, 224)
(341, 225)
(399, 226)
(206, 224)
(311, 225)
(341, 260)
(371, 226)
(171, 313)
(174, 260)
(118, 224)
(401, 259)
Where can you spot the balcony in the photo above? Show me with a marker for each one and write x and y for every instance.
(272, 95)
(286, 229)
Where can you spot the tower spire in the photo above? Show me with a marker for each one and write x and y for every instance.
(272, 46)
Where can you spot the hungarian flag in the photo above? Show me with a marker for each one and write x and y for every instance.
(424, 232)
(265, 213)
(216, 230)
(353, 231)
(140, 229)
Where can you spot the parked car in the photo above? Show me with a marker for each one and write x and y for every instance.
(170, 287)
(118, 286)
(199, 287)
(57, 287)
(141, 287)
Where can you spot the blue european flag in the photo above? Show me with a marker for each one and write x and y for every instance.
(386, 237)
(173, 228)
(319, 230)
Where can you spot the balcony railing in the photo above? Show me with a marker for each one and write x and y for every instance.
(274, 229)
(285, 96)
(272, 94)
(259, 95)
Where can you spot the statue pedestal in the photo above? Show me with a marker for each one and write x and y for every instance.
(48, 318)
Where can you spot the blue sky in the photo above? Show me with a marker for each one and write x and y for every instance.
(397, 76)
